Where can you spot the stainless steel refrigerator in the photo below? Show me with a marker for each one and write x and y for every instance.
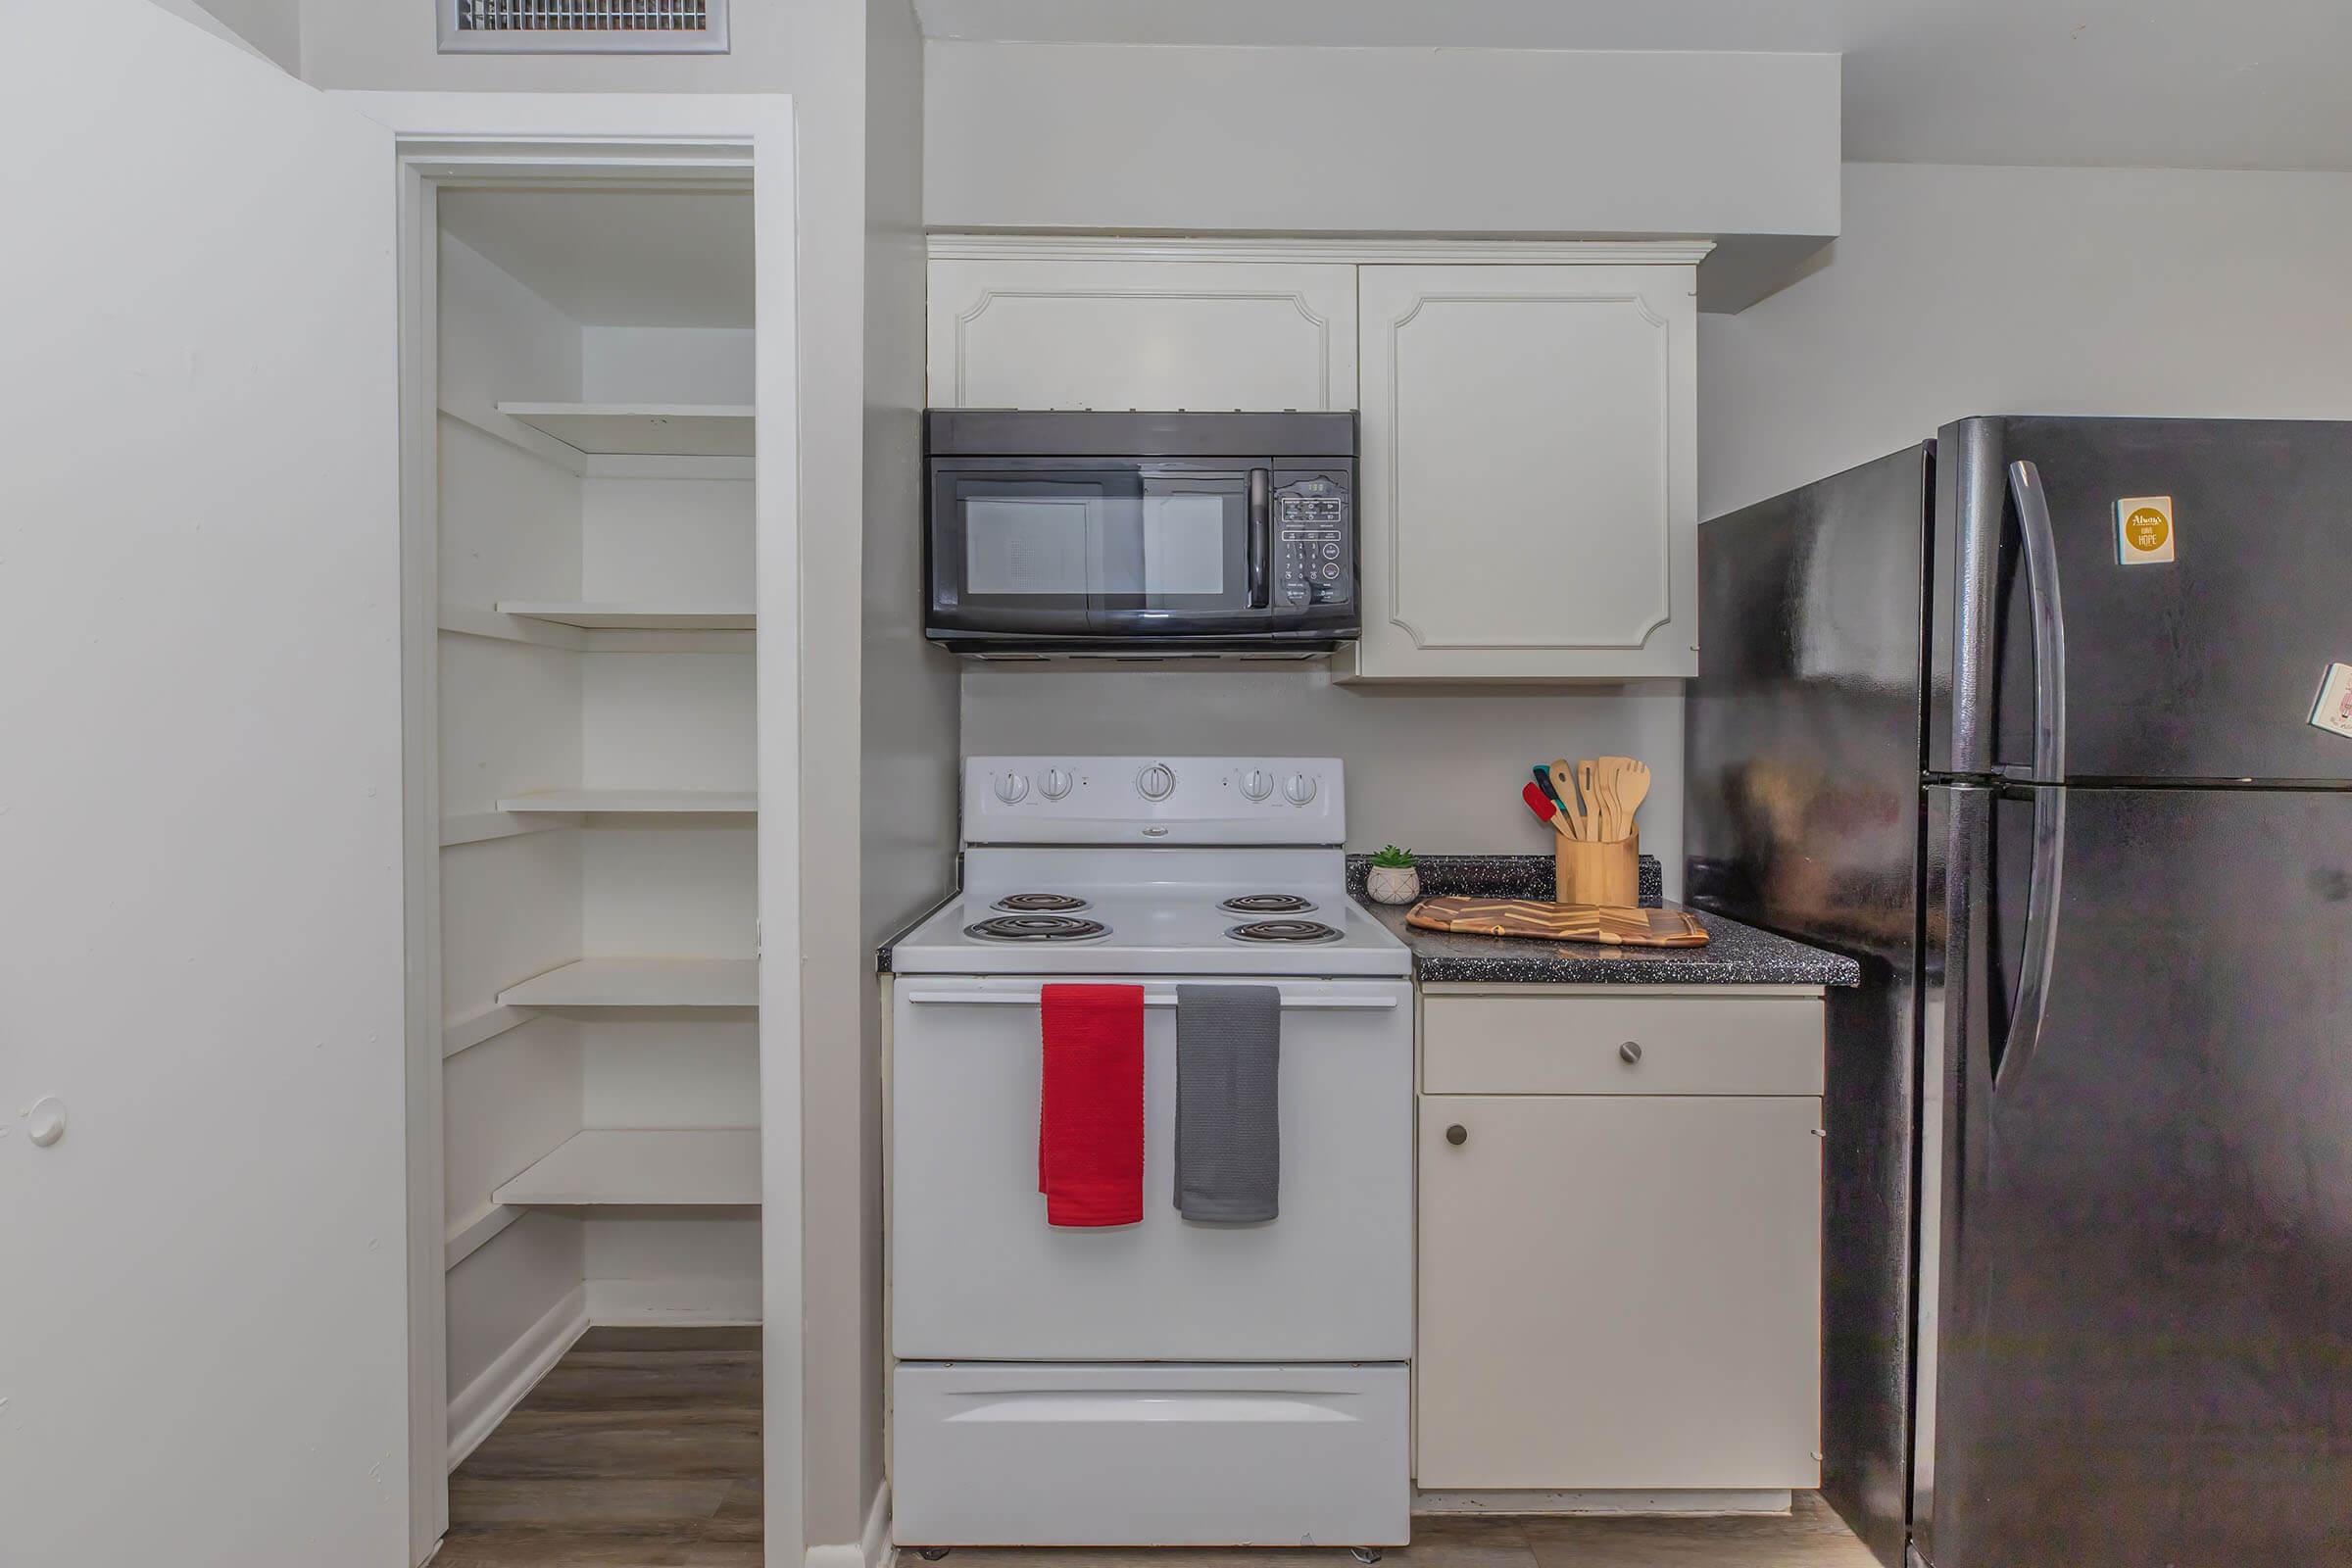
(2035, 719)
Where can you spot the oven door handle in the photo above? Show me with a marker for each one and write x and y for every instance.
(1261, 485)
(1153, 999)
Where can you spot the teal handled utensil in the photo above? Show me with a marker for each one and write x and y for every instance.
(1544, 782)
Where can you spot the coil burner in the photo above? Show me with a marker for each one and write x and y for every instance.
(1036, 928)
(1267, 903)
(1284, 931)
(1041, 904)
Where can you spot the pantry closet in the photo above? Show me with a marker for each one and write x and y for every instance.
(597, 786)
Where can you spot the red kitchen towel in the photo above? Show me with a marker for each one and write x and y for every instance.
(1090, 1111)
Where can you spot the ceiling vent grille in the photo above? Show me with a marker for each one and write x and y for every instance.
(583, 26)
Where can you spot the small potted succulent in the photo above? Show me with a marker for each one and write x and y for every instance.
(1395, 877)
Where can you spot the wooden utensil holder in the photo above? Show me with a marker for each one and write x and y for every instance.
(1587, 872)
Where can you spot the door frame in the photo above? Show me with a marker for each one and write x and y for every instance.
(718, 140)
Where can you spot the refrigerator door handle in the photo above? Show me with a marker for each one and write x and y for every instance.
(2043, 887)
(2050, 622)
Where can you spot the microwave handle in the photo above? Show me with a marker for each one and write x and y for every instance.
(1261, 483)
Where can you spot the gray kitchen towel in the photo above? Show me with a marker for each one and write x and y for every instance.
(1228, 1109)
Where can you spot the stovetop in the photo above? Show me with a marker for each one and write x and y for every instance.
(1153, 912)
(1108, 866)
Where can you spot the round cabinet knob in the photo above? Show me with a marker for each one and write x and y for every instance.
(1012, 788)
(1457, 1134)
(1056, 784)
(1630, 1053)
(1257, 784)
(1300, 790)
(1156, 782)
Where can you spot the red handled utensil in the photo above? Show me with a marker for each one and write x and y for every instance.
(1541, 804)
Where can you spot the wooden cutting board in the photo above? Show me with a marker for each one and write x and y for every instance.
(1609, 925)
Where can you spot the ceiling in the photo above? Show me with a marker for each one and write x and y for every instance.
(2170, 84)
(618, 258)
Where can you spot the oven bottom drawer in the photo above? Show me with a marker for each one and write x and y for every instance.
(1002, 1455)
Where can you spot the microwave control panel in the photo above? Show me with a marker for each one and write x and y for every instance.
(1315, 542)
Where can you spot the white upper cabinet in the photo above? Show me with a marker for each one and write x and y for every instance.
(1529, 486)
(1528, 493)
(1021, 333)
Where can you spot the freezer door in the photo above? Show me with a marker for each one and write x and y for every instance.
(2202, 668)
(2146, 1199)
(1801, 814)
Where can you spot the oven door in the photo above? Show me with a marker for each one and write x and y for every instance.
(978, 1275)
(1042, 548)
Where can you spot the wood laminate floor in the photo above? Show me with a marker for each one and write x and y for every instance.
(640, 1450)
(1811, 1537)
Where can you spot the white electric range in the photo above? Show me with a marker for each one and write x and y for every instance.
(1164, 1383)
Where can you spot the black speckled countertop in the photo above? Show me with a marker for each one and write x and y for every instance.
(1734, 954)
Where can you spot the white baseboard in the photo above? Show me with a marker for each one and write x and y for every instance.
(875, 1542)
(477, 1409)
(1725, 1501)
(870, 1550)
(646, 1303)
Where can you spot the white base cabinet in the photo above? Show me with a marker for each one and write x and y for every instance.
(1620, 1287)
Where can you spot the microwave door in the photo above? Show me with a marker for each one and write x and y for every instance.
(1185, 557)
(1023, 553)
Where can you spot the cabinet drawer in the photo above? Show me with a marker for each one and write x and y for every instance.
(1151, 1455)
(1529, 1043)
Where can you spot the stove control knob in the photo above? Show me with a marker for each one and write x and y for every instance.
(1012, 788)
(1156, 782)
(1300, 789)
(1056, 784)
(1257, 784)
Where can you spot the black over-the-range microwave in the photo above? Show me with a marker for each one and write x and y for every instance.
(1140, 535)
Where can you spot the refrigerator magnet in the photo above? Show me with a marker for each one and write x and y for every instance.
(2143, 531)
(2333, 710)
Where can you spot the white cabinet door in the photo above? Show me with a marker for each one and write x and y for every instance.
(1619, 1293)
(204, 1356)
(1530, 474)
(1020, 333)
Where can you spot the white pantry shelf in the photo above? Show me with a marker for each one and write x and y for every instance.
(642, 1166)
(641, 982)
(642, 429)
(634, 803)
(630, 617)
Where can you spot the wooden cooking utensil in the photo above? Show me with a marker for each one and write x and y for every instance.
(1613, 770)
(1587, 784)
(1633, 788)
(1563, 785)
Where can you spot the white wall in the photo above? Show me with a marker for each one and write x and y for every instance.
(272, 26)
(1315, 141)
(907, 748)
(1965, 290)
(1434, 768)
(1951, 292)
(393, 44)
